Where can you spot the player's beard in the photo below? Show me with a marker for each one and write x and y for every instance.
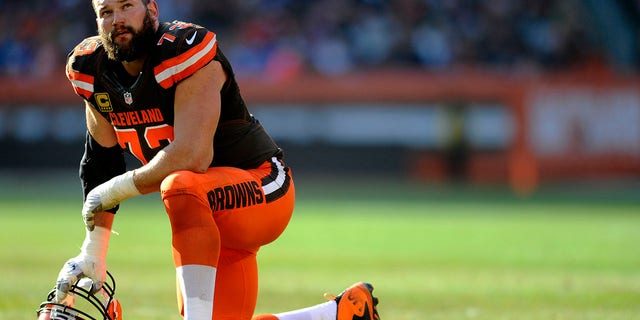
(137, 46)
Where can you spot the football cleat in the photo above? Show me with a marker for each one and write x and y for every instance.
(356, 303)
(99, 304)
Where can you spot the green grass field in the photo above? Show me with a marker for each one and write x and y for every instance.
(431, 252)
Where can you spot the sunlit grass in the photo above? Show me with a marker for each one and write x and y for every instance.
(427, 258)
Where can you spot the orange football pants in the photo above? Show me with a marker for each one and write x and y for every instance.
(221, 218)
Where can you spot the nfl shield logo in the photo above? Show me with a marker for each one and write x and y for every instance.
(128, 98)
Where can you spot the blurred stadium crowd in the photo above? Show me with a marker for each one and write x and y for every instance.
(281, 38)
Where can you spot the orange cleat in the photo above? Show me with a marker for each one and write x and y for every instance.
(356, 303)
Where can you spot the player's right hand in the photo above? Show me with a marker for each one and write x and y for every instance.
(76, 268)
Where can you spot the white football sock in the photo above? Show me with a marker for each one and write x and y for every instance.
(197, 283)
(323, 311)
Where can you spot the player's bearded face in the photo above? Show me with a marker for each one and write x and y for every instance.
(134, 48)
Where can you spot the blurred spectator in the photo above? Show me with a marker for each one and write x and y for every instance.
(279, 39)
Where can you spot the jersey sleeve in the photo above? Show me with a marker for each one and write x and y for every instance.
(80, 68)
(185, 48)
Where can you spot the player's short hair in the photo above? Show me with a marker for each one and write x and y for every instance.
(145, 2)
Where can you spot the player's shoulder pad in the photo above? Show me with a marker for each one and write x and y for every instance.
(82, 65)
(182, 49)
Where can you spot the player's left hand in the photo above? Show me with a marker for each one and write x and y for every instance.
(107, 196)
(76, 268)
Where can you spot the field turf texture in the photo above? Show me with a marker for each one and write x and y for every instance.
(431, 251)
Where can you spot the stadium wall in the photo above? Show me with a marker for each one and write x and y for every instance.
(479, 126)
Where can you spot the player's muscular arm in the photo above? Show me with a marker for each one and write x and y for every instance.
(197, 111)
(103, 133)
(100, 129)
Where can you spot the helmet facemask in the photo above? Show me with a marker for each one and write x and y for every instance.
(99, 302)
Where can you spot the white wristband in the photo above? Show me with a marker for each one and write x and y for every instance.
(96, 243)
(118, 189)
(123, 186)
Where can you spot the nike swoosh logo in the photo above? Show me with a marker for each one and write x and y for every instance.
(193, 37)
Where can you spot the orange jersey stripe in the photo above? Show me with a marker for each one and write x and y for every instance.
(82, 83)
(173, 70)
